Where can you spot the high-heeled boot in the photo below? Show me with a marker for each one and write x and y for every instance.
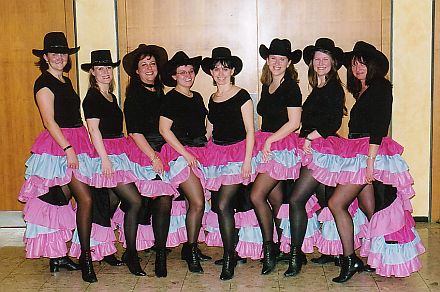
(160, 265)
(85, 261)
(112, 261)
(229, 263)
(64, 262)
(324, 259)
(296, 261)
(349, 266)
(191, 255)
(269, 260)
(131, 259)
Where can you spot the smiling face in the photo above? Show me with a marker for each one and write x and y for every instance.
(322, 63)
(147, 69)
(277, 64)
(103, 74)
(185, 76)
(359, 69)
(56, 61)
(222, 74)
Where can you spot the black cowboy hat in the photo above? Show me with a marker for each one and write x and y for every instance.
(100, 58)
(179, 59)
(324, 44)
(129, 60)
(221, 53)
(368, 50)
(282, 48)
(55, 42)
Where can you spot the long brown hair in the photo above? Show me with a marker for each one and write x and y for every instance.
(94, 84)
(266, 75)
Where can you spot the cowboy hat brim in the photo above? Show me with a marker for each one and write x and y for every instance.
(336, 54)
(237, 64)
(159, 53)
(87, 66)
(171, 66)
(294, 56)
(60, 50)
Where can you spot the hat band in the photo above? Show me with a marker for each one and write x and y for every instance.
(97, 62)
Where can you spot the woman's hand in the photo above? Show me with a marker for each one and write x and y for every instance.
(246, 169)
(72, 159)
(307, 147)
(190, 159)
(266, 150)
(107, 168)
(369, 177)
(157, 164)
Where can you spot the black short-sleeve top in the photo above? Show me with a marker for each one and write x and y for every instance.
(187, 113)
(371, 114)
(66, 102)
(273, 107)
(96, 106)
(226, 118)
(323, 110)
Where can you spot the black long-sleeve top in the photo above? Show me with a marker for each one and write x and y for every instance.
(371, 114)
(323, 110)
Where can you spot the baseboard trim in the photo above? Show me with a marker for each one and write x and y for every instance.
(421, 218)
(11, 219)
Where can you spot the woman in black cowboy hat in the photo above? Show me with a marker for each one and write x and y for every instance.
(144, 98)
(280, 109)
(111, 169)
(320, 119)
(229, 155)
(182, 124)
(373, 171)
(60, 159)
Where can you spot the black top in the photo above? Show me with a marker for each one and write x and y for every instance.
(371, 114)
(323, 110)
(226, 118)
(66, 101)
(273, 107)
(96, 106)
(187, 113)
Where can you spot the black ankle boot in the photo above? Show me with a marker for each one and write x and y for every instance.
(297, 259)
(85, 261)
(131, 259)
(269, 260)
(238, 260)
(229, 263)
(112, 260)
(160, 265)
(349, 266)
(64, 262)
(191, 255)
(324, 259)
(203, 257)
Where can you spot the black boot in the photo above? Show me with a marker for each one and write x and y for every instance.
(64, 262)
(85, 261)
(229, 263)
(131, 259)
(112, 260)
(238, 260)
(349, 266)
(160, 265)
(203, 257)
(191, 255)
(297, 259)
(368, 268)
(269, 260)
(324, 259)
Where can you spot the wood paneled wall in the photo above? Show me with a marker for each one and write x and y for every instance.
(435, 170)
(24, 24)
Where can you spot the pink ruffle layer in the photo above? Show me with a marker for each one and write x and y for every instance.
(102, 234)
(307, 246)
(41, 213)
(137, 156)
(49, 245)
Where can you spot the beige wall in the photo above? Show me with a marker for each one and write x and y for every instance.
(411, 76)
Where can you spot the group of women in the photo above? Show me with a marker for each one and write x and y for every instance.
(266, 188)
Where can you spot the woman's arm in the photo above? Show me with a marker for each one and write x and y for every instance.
(165, 130)
(145, 147)
(95, 135)
(247, 112)
(209, 128)
(45, 102)
(372, 153)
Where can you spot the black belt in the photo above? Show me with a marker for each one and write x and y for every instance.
(358, 135)
(77, 125)
(224, 143)
(112, 136)
(193, 142)
(156, 141)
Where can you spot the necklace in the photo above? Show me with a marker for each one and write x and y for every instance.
(187, 94)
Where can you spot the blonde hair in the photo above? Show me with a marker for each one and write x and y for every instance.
(94, 84)
(266, 75)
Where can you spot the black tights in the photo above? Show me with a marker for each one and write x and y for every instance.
(304, 188)
(83, 197)
(161, 219)
(338, 204)
(195, 198)
(266, 188)
(131, 198)
(223, 205)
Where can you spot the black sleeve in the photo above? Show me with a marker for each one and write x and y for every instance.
(331, 123)
(91, 105)
(132, 113)
(381, 109)
(244, 97)
(292, 96)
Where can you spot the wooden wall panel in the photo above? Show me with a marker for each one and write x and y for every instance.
(24, 24)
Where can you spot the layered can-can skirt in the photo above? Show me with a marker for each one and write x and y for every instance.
(122, 167)
(312, 231)
(222, 165)
(148, 182)
(48, 229)
(47, 165)
(284, 162)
